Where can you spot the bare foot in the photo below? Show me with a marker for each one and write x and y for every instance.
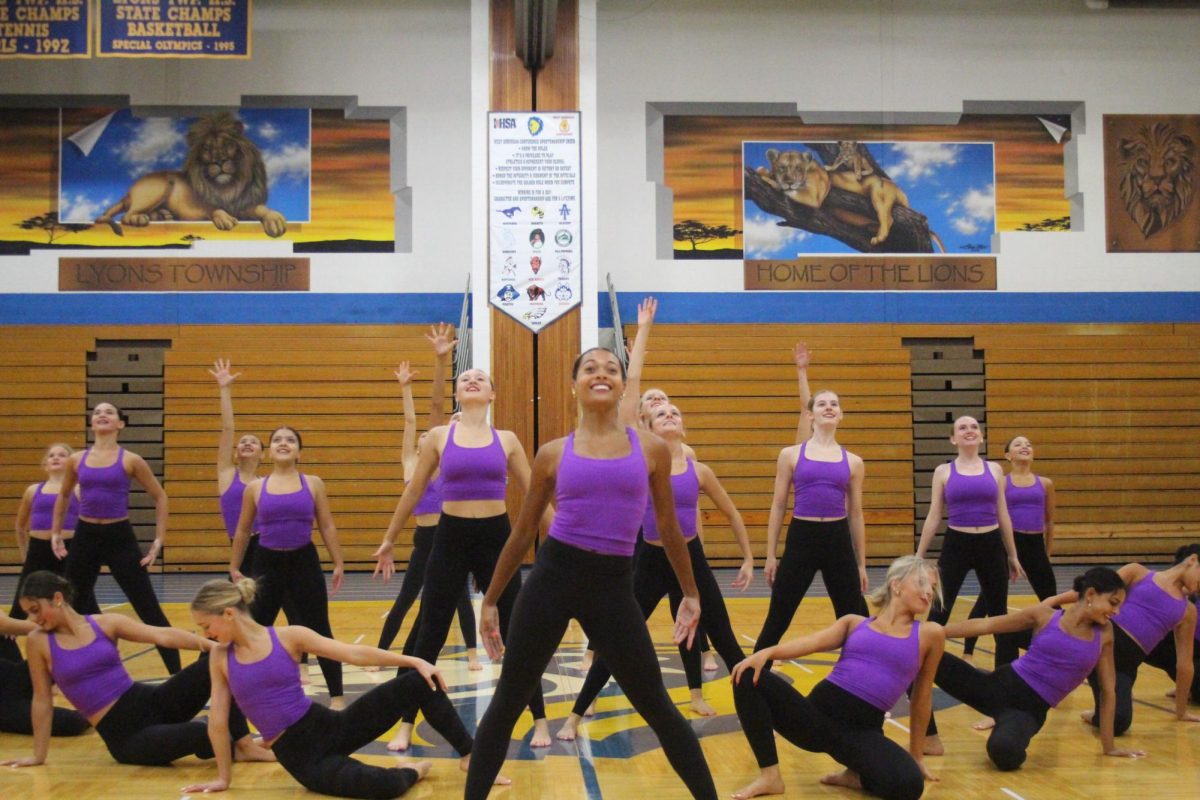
(464, 764)
(1086, 716)
(248, 748)
(541, 734)
(700, 705)
(402, 739)
(769, 781)
(587, 660)
(985, 724)
(337, 703)
(374, 668)
(710, 663)
(420, 767)
(591, 710)
(569, 729)
(934, 746)
(473, 660)
(846, 778)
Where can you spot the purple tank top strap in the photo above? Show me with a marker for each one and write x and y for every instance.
(473, 473)
(104, 490)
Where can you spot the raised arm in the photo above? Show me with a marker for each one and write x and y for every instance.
(937, 501)
(637, 359)
(225, 465)
(800, 357)
(1051, 505)
(328, 531)
(143, 475)
(713, 488)
(536, 501)
(783, 481)
(441, 339)
(408, 442)
(658, 462)
(21, 526)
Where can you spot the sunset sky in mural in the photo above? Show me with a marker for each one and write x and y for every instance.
(703, 163)
(351, 193)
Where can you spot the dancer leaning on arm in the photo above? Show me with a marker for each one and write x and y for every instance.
(255, 666)
(1066, 646)
(139, 723)
(103, 534)
(600, 476)
(843, 715)
(16, 690)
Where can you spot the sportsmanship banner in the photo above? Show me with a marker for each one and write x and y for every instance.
(533, 215)
(45, 28)
(173, 28)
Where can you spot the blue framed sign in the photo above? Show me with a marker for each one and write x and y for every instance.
(48, 29)
(173, 28)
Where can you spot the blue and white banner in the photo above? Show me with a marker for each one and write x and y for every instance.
(45, 28)
(533, 215)
(173, 28)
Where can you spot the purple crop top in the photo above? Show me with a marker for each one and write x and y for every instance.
(41, 515)
(231, 504)
(473, 473)
(431, 500)
(1149, 612)
(599, 502)
(971, 499)
(268, 691)
(686, 488)
(1026, 505)
(820, 486)
(92, 676)
(876, 667)
(285, 521)
(104, 491)
(1057, 662)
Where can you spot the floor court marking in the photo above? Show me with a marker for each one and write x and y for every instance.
(1012, 794)
(891, 721)
(793, 662)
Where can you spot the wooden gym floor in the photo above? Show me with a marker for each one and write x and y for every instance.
(617, 756)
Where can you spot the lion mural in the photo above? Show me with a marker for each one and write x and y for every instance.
(1156, 176)
(223, 180)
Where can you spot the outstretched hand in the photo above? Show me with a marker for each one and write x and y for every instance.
(441, 338)
(404, 374)
(801, 355)
(646, 311)
(221, 372)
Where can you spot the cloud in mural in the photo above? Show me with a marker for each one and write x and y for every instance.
(971, 213)
(764, 239)
(921, 159)
(291, 162)
(80, 209)
(155, 142)
(268, 131)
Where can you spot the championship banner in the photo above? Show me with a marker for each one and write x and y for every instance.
(173, 28)
(533, 215)
(45, 28)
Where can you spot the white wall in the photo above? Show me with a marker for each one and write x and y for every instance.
(841, 58)
(414, 54)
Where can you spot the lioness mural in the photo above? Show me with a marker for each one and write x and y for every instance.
(798, 175)
(223, 180)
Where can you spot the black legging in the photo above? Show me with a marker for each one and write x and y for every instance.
(1018, 710)
(463, 546)
(115, 545)
(1128, 655)
(152, 726)
(410, 590)
(830, 720)
(984, 553)
(316, 749)
(1164, 658)
(296, 575)
(250, 571)
(39, 555)
(597, 590)
(812, 547)
(1031, 553)
(652, 578)
(16, 698)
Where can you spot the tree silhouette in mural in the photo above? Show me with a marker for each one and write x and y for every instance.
(49, 223)
(696, 232)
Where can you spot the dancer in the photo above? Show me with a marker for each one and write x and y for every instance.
(475, 461)
(256, 667)
(16, 690)
(139, 723)
(103, 534)
(1067, 646)
(283, 506)
(1030, 501)
(1166, 658)
(843, 714)
(600, 477)
(979, 535)
(1157, 605)
(653, 577)
(827, 532)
